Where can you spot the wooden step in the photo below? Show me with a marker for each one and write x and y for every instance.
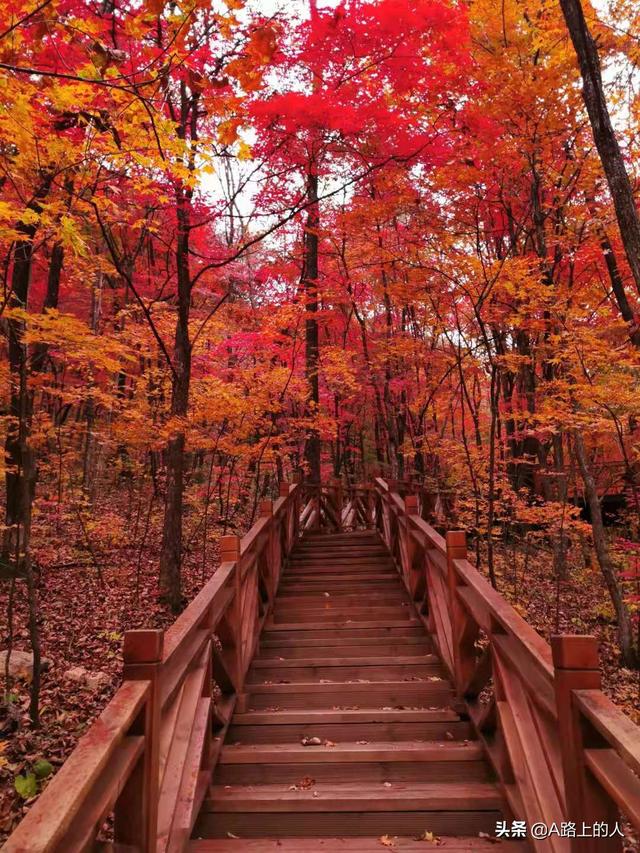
(337, 772)
(394, 694)
(344, 669)
(328, 558)
(368, 662)
(384, 809)
(369, 549)
(320, 583)
(352, 752)
(448, 844)
(351, 646)
(321, 598)
(404, 761)
(338, 587)
(348, 725)
(337, 797)
(340, 562)
(309, 581)
(370, 630)
(348, 536)
(356, 637)
(345, 715)
(339, 615)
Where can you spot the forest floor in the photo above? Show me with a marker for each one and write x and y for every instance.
(84, 617)
(84, 614)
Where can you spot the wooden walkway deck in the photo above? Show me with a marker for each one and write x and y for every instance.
(345, 681)
(348, 727)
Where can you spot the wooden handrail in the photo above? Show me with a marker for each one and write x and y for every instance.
(149, 756)
(562, 751)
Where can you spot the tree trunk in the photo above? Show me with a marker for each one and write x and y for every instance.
(603, 133)
(617, 286)
(20, 464)
(629, 655)
(312, 348)
(170, 580)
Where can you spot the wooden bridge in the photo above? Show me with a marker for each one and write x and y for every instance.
(345, 681)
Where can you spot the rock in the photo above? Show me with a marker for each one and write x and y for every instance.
(21, 663)
(77, 673)
(97, 680)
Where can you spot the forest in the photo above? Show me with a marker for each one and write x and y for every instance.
(243, 243)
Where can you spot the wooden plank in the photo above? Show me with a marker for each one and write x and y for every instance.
(614, 726)
(176, 665)
(330, 625)
(363, 695)
(296, 753)
(531, 750)
(192, 790)
(521, 661)
(348, 823)
(354, 772)
(348, 798)
(362, 662)
(511, 621)
(450, 844)
(622, 785)
(192, 691)
(343, 715)
(445, 729)
(103, 794)
(212, 595)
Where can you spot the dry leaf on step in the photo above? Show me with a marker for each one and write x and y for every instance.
(431, 837)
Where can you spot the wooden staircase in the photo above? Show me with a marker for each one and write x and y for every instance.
(347, 728)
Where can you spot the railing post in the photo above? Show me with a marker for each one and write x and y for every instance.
(577, 667)
(266, 511)
(136, 812)
(289, 532)
(230, 553)
(411, 504)
(416, 585)
(456, 542)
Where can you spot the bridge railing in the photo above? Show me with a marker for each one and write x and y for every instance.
(146, 761)
(562, 751)
(338, 507)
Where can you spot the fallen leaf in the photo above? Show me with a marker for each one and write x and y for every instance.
(431, 837)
